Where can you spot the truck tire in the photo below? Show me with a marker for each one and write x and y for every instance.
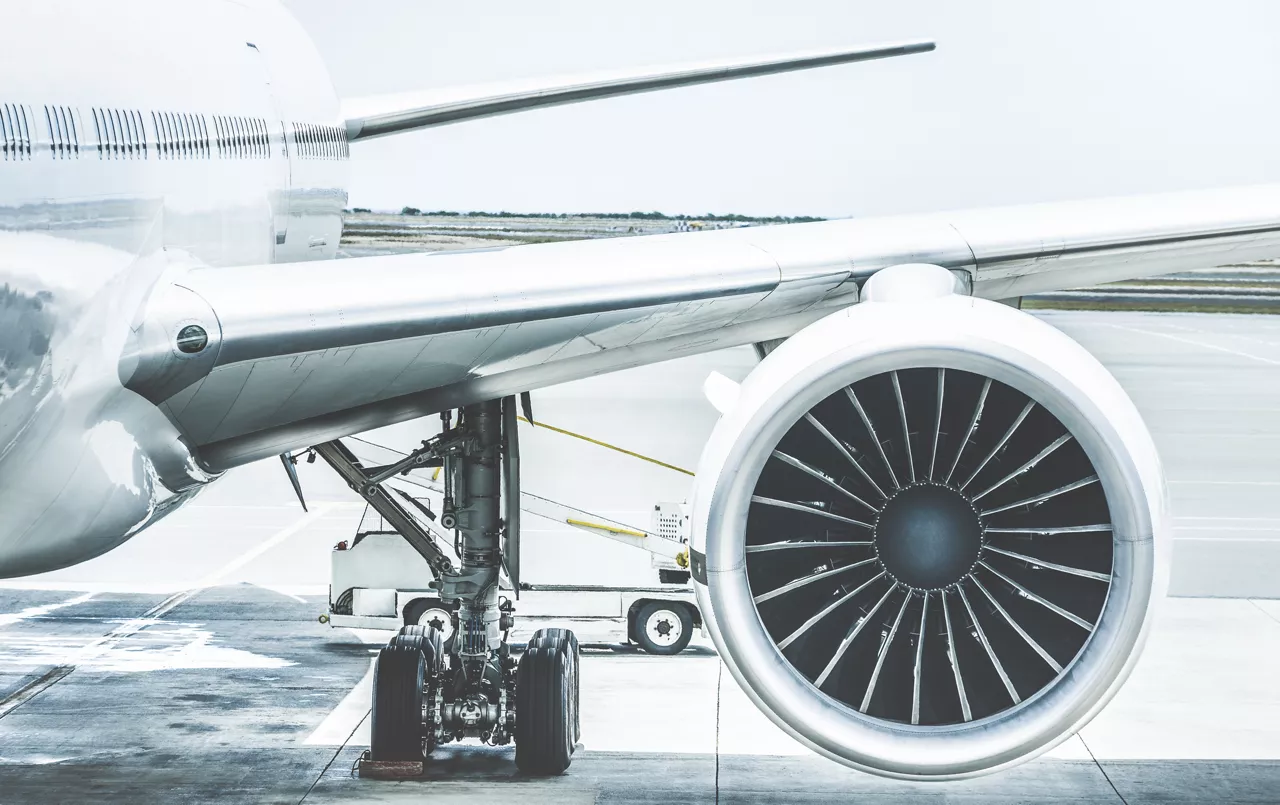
(663, 627)
(429, 612)
(398, 679)
(543, 725)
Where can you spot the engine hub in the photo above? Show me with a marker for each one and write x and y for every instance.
(928, 536)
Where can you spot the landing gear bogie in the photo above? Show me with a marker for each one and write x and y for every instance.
(430, 688)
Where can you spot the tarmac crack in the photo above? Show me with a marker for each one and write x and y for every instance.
(1263, 610)
(719, 676)
(1105, 776)
(332, 760)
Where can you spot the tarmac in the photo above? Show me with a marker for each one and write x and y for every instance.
(237, 694)
(189, 666)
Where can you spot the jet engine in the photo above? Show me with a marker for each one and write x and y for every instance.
(929, 531)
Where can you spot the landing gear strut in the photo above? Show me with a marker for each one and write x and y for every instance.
(429, 691)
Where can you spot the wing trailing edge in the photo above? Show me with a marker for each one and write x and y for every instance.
(392, 114)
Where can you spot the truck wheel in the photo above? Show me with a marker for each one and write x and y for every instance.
(398, 678)
(543, 725)
(429, 612)
(663, 627)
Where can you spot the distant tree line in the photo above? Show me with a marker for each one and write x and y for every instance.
(619, 216)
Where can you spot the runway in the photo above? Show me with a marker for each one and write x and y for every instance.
(188, 665)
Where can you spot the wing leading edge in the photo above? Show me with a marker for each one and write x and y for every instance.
(391, 114)
(313, 351)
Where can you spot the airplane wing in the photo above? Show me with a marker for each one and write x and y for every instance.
(391, 114)
(302, 353)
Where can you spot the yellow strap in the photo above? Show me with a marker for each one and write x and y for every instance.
(607, 445)
(611, 529)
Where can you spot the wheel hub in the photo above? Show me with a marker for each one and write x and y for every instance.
(928, 536)
(663, 627)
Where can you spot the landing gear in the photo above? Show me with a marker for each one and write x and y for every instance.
(428, 689)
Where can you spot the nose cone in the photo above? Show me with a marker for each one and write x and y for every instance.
(928, 536)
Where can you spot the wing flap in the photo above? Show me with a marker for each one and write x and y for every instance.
(1046, 247)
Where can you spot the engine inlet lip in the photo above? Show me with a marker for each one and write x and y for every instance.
(1044, 719)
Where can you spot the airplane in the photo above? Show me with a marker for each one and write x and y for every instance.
(929, 530)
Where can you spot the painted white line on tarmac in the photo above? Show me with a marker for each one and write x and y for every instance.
(280, 536)
(1193, 342)
(344, 720)
(1193, 482)
(1224, 333)
(1232, 539)
(9, 619)
(97, 649)
(1211, 519)
(284, 591)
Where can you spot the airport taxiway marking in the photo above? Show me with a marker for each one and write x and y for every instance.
(11, 618)
(275, 539)
(106, 642)
(1193, 342)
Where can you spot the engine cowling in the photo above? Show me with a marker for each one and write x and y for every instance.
(928, 535)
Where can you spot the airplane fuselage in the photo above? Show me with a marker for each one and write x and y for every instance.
(137, 141)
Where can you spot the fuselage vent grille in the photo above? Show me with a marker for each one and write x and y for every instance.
(320, 142)
(64, 134)
(121, 134)
(15, 132)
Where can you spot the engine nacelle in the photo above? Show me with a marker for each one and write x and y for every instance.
(929, 533)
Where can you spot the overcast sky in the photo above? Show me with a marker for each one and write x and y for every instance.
(1022, 101)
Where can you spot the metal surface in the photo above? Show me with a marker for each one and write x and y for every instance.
(383, 500)
(933, 709)
(477, 475)
(378, 117)
(511, 491)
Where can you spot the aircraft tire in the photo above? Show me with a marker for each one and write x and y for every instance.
(544, 726)
(398, 679)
